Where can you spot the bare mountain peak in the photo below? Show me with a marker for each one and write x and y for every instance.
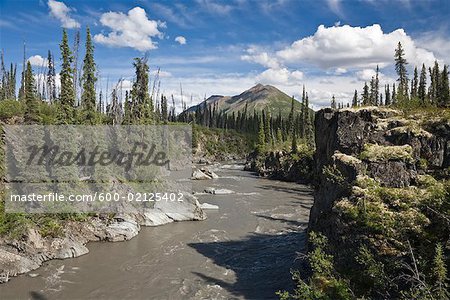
(260, 87)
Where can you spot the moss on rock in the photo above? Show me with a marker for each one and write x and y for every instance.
(374, 152)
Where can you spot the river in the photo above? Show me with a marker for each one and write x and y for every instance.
(244, 250)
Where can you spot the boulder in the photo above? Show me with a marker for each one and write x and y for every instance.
(199, 175)
(218, 191)
(209, 206)
(209, 173)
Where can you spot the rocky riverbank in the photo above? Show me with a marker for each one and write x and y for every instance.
(283, 165)
(382, 197)
(29, 251)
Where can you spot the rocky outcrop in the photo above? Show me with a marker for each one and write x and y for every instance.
(18, 256)
(389, 148)
(282, 165)
(376, 175)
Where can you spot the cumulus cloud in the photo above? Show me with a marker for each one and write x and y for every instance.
(365, 74)
(256, 55)
(61, 11)
(368, 74)
(39, 61)
(41, 78)
(180, 40)
(347, 47)
(438, 43)
(133, 30)
(280, 76)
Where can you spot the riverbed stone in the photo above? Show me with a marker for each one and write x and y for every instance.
(199, 175)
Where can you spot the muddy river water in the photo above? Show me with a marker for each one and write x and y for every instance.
(244, 250)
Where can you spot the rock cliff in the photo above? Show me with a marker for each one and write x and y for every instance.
(382, 185)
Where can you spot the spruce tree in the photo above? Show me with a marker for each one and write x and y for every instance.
(32, 108)
(435, 83)
(415, 84)
(51, 78)
(387, 96)
(294, 143)
(127, 110)
(421, 91)
(308, 121)
(365, 95)
(333, 102)
(142, 107)
(377, 86)
(394, 95)
(267, 128)
(261, 137)
(88, 78)
(400, 68)
(291, 116)
(67, 96)
(279, 136)
(7, 81)
(355, 99)
(303, 115)
(444, 93)
(164, 109)
(372, 91)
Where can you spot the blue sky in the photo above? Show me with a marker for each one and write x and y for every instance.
(225, 47)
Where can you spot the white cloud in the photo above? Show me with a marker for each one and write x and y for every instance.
(215, 7)
(365, 74)
(39, 61)
(126, 85)
(132, 30)
(4, 23)
(335, 6)
(61, 12)
(256, 55)
(180, 40)
(162, 74)
(40, 80)
(340, 71)
(437, 43)
(347, 47)
(280, 76)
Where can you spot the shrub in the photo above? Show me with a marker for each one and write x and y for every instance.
(323, 282)
(11, 108)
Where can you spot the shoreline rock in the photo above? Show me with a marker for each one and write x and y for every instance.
(28, 253)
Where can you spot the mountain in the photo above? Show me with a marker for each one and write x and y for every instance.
(257, 98)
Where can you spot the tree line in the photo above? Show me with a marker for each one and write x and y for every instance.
(77, 99)
(415, 91)
(270, 129)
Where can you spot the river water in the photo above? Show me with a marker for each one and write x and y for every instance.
(244, 250)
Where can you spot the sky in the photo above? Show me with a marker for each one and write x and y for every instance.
(206, 47)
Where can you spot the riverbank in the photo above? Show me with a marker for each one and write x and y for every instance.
(19, 255)
(244, 250)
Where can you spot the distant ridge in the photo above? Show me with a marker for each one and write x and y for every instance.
(258, 98)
